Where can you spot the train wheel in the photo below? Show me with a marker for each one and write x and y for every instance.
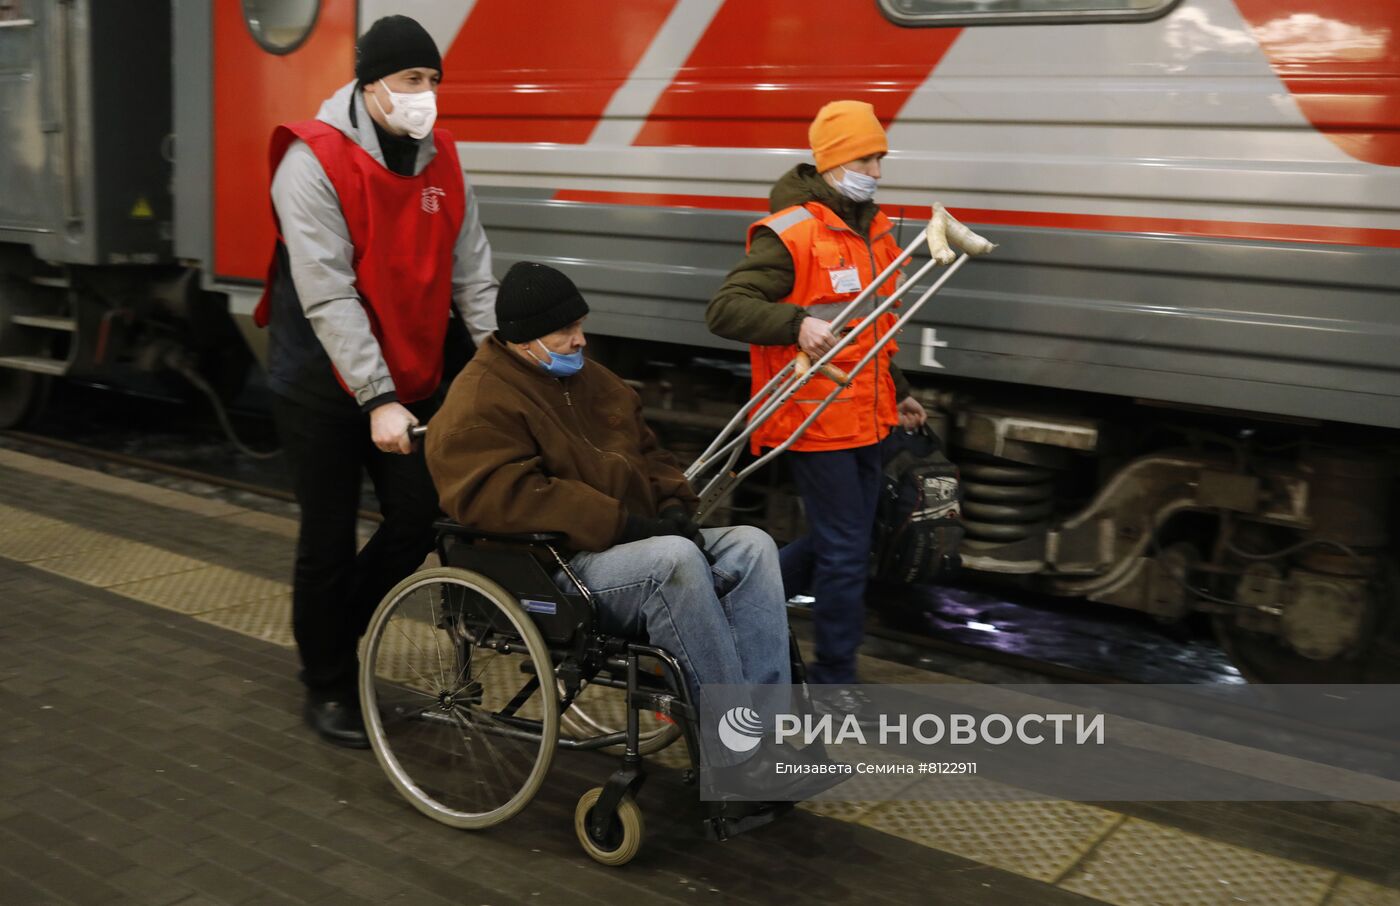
(23, 396)
(1264, 657)
(623, 838)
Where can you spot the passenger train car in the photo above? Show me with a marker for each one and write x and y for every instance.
(1174, 388)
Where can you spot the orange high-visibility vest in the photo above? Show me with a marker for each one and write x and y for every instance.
(824, 251)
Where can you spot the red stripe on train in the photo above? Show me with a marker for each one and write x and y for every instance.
(811, 53)
(529, 72)
(1341, 61)
(1215, 229)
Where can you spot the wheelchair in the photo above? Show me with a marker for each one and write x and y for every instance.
(470, 680)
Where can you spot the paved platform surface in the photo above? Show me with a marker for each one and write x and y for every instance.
(151, 751)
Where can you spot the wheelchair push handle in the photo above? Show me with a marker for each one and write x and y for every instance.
(416, 433)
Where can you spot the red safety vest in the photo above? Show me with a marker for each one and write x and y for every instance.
(404, 232)
(824, 253)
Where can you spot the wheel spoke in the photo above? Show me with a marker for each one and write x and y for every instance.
(442, 671)
(426, 682)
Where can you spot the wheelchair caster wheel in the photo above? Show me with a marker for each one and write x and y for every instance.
(624, 835)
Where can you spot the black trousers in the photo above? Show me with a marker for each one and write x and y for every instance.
(840, 490)
(334, 588)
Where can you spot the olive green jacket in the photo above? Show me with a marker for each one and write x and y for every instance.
(746, 308)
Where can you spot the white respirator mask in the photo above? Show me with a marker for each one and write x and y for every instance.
(856, 186)
(414, 114)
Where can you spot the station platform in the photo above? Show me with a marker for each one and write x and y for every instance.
(152, 752)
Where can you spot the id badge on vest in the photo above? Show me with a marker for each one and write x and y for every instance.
(844, 280)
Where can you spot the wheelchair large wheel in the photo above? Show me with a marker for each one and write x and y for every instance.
(459, 697)
(600, 710)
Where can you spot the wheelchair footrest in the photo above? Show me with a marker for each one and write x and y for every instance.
(730, 819)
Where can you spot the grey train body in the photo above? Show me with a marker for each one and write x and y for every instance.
(1267, 328)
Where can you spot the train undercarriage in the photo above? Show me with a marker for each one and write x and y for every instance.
(1281, 533)
(149, 326)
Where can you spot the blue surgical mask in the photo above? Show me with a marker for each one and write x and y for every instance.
(559, 365)
(856, 186)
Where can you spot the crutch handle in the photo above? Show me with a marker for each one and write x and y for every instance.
(804, 365)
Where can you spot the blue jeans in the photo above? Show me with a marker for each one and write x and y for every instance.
(725, 623)
(839, 489)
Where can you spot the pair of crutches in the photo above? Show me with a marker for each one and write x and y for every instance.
(720, 457)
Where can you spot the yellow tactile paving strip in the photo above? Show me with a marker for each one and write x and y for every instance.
(1040, 840)
(204, 589)
(269, 619)
(1089, 850)
(27, 540)
(1355, 892)
(119, 564)
(1140, 860)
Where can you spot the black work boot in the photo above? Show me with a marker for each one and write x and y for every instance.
(780, 773)
(336, 721)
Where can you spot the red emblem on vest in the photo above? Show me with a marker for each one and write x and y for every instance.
(431, 204)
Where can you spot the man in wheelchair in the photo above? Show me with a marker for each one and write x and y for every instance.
(535, 438)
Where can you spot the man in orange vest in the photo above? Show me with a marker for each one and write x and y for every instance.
(825, 240)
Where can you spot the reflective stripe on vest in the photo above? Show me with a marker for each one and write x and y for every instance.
(781, 222)
(823, 250)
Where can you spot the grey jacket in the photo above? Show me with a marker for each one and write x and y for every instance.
(320, 252)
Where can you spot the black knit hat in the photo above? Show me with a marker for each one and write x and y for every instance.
(535, 299)
(394, 43)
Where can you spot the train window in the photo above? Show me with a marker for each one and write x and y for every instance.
(280, 25)
(1010, 12)
(12, 13)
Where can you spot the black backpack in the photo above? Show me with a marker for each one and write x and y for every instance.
(918, 525)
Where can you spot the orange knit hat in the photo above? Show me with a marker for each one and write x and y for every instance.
(845, 131)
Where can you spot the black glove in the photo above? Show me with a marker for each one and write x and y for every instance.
(636, 528)
(680, 522)
(686, 527)
(672, 522)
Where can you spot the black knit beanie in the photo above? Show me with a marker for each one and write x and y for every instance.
(535, 299)
(394, 43)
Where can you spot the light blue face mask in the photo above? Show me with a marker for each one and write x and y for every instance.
(856, 186)
(559, 365)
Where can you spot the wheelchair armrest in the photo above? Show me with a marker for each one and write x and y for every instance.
(448, 527)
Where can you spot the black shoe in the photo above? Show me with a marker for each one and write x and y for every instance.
(841, 703)
(808, 772)
(337, 722)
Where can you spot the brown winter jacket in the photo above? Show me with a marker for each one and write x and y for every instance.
(747, 306)
(515, 450)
